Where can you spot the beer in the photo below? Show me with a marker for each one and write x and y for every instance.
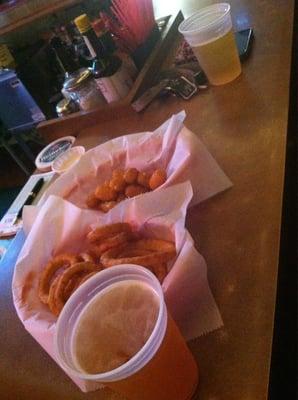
(209, 32)
(115, 326)
(219, 59)
(171, 374)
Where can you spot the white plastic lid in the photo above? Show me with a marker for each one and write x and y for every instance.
(80, 299)
(46, 157)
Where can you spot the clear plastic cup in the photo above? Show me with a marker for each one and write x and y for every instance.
(162, 369)
(209, 32)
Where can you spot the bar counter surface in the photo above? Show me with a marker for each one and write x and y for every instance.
(244, 126)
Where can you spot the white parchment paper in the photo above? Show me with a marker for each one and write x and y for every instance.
(60, 227)
(171, 146)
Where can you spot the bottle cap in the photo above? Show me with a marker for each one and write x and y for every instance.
(83, 23)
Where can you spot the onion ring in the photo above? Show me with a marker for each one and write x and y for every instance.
(111, 242)
(115, 240)
(86, 257)
(68, 274)
(158, 245)
(71, 286)
(61, 261)
(51, 301)
(131, 252)
(95, 251)
(75, 282)
(105, 231)
(86, 277)
(161, 251)
(160, 271)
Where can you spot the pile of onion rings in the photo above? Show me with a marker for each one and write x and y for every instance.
(62, 275)
(109, 245)
(123, 185)
(117, 244)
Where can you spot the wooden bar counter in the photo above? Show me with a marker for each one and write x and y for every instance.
(244, 126)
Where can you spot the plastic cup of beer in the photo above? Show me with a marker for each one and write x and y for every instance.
(209, 32)
(115, 329)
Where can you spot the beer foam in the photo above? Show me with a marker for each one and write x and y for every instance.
(206, 25)
(114, 326)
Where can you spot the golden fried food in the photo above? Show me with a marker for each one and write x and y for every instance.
(103, 232)
(130, 251)
(74, 282)
(92, 201)
(71, 285)
(106, 206)
(121, 197)
(158, 245)
(86, 257)
(95, 251)
(123, 185)
(151, 253)
(75, 270)
(109, 245)
(117, 173)
(131, 175)
(58, 262)
(77, 280)
(117, 184)
(157, 179)
(159, 270)
(114, 241)
(105, 193)
(143, 179)
(86, 277)
(135, 190)
(52, 299)
(161, 251)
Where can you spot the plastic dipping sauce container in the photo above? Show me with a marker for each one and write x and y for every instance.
(209, 32)
(119, 318)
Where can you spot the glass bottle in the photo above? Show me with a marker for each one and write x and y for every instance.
(111, 77)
